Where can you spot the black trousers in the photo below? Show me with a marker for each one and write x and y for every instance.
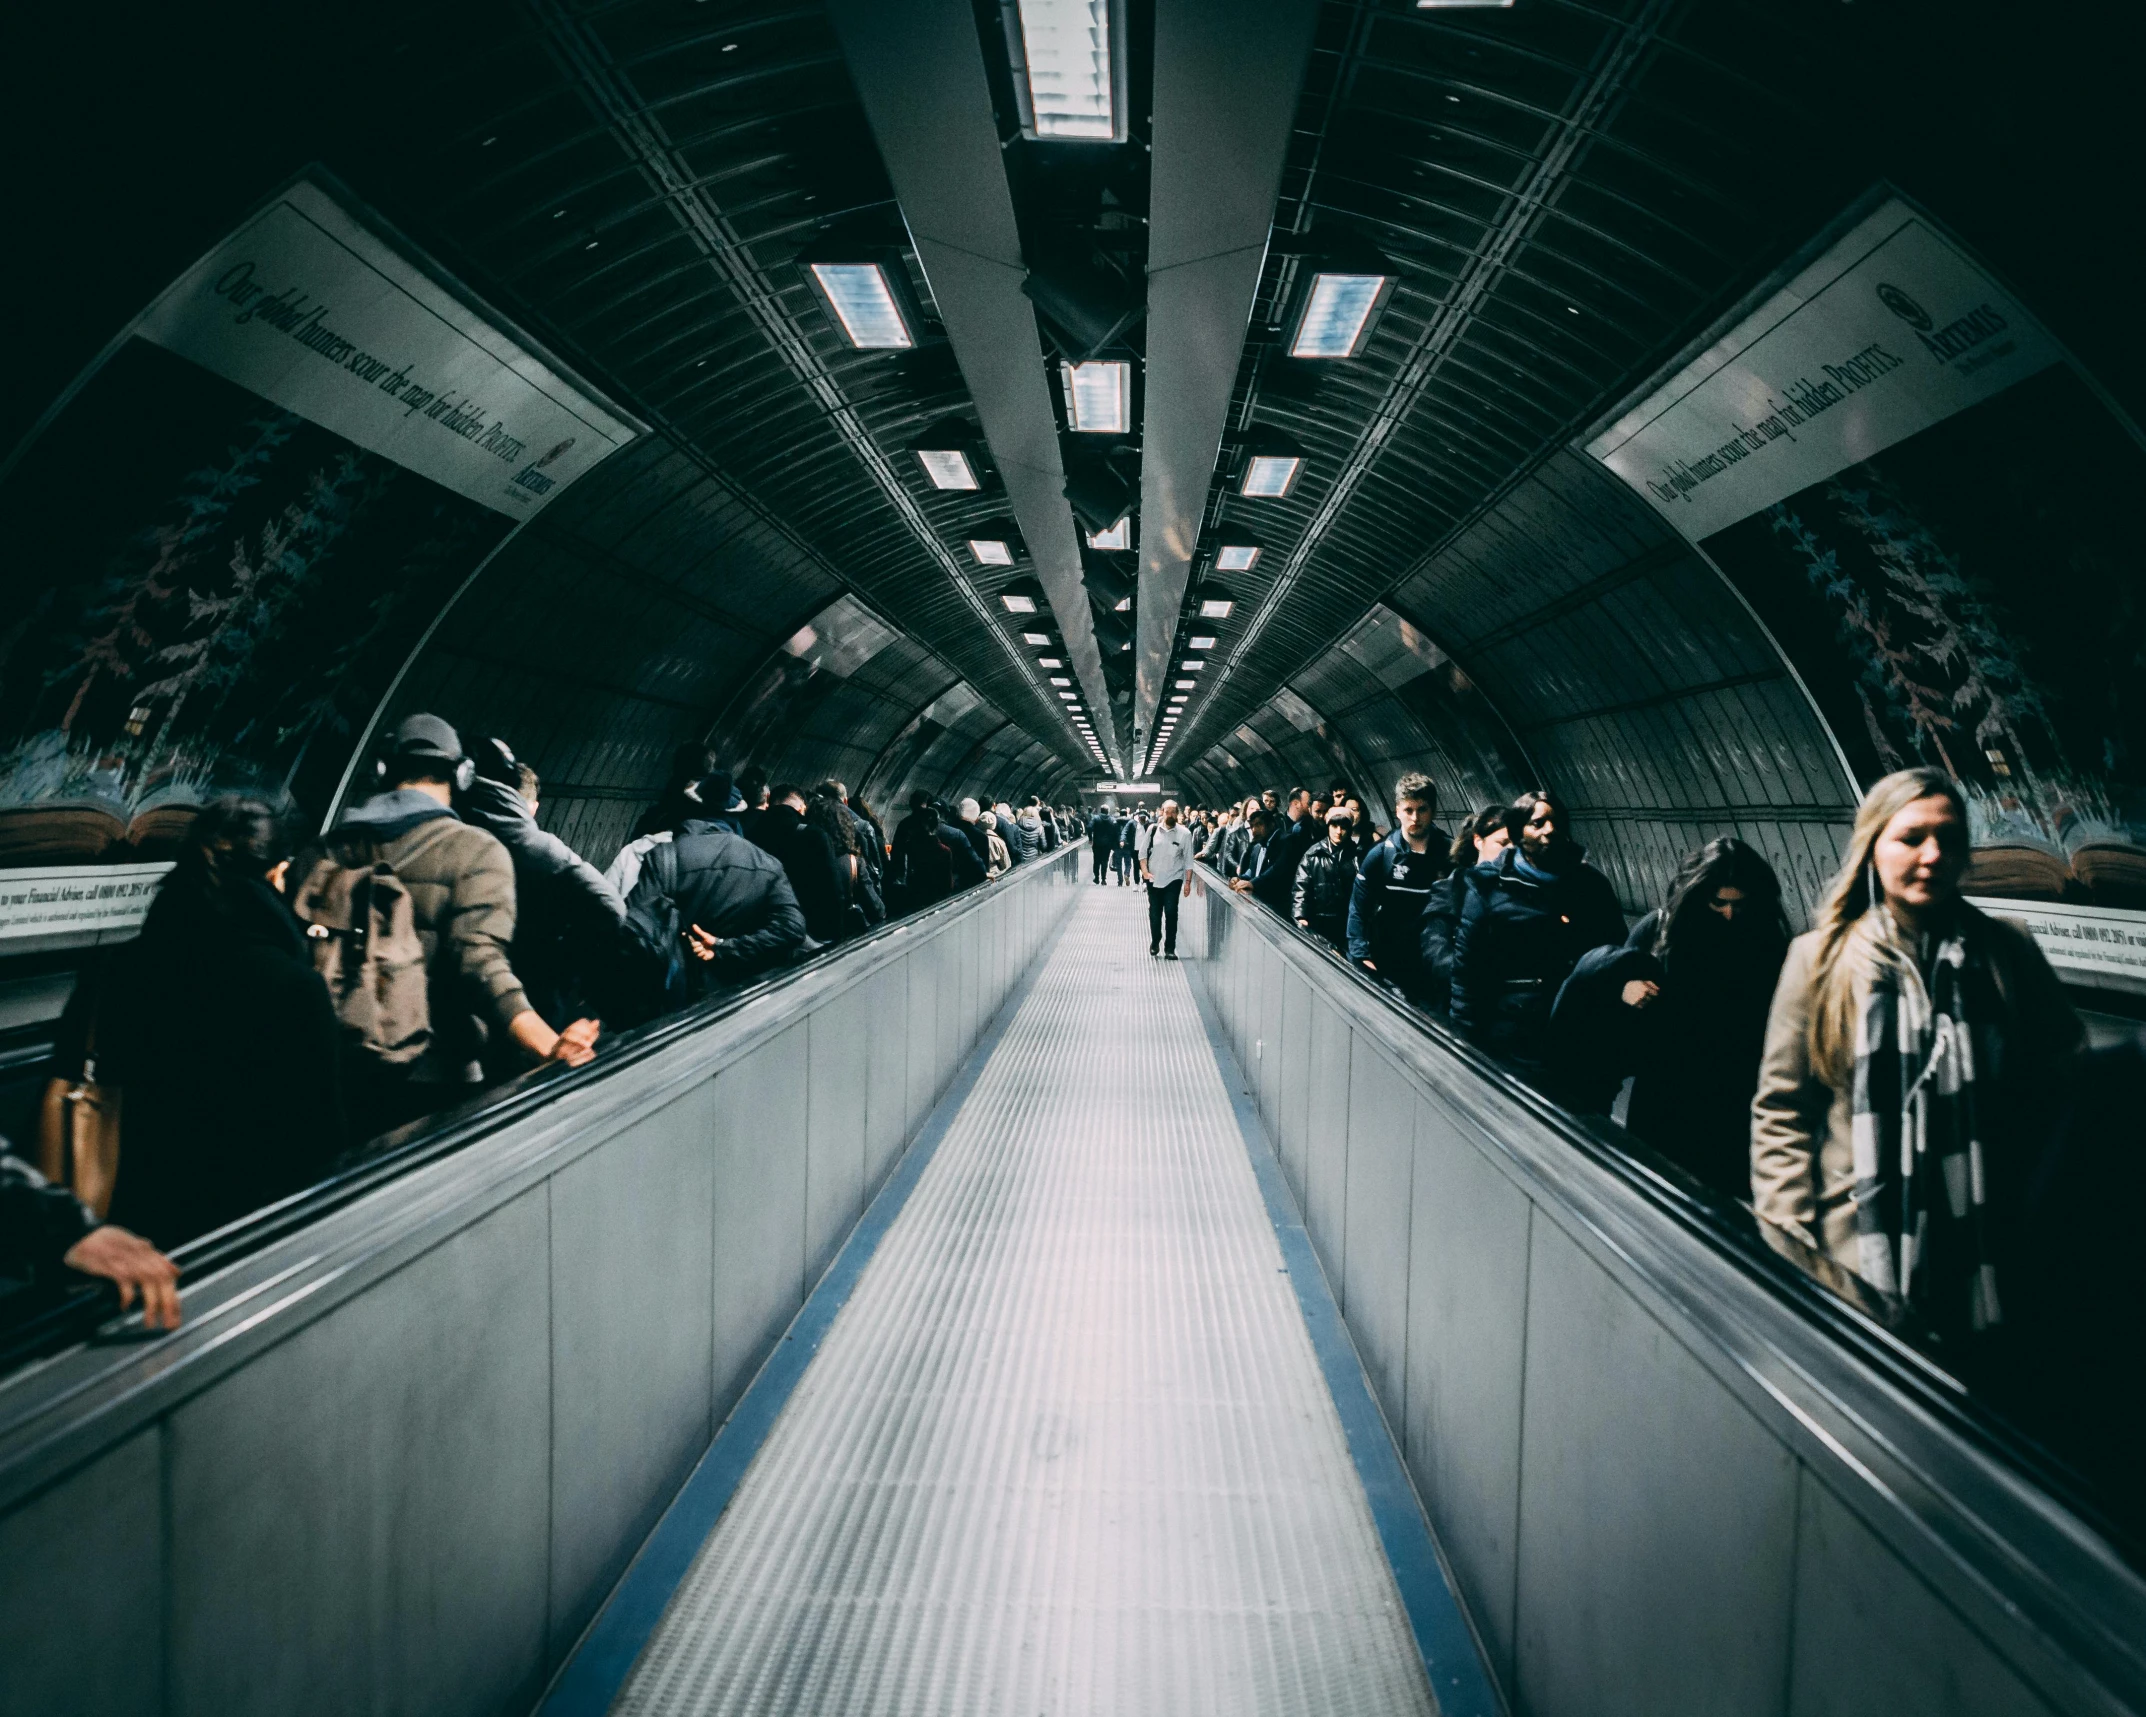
(1162, 915)
(1101, 854)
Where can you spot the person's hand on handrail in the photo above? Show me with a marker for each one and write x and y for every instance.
(123, 1257)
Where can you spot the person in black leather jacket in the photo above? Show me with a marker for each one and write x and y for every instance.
(566, 916)
(1325, 876)
(711, 909)
(1525, 921)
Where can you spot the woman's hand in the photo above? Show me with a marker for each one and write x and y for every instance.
(1640, 991)
(121, 1256)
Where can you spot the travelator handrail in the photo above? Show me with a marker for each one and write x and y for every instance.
(79, 1314)
(2024, 1524)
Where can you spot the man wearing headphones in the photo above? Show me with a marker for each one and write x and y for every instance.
(460, 881)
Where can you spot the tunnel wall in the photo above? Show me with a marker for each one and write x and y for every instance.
(1658, 1487)
(396, 1461)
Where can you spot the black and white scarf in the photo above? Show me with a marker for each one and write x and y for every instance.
(1919, 1169)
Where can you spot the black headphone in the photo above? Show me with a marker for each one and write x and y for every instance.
(465, 769)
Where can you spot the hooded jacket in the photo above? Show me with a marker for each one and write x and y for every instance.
(708, 876)
(461, 883)
(1523, 927)
(566, 916)
(222, 1036)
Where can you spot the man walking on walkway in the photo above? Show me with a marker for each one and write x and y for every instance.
(1165, 856)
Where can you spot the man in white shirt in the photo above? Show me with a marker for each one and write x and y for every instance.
(1165, 855)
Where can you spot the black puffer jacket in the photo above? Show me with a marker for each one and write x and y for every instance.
(731, 889)
(1522, 930)
(1325, 876)
(566, 917)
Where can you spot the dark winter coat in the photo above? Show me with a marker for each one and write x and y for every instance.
(1325, 875)
(39, 1222)
(566, 917)
(222, 1038)
(731, 889)
(1386, 906)
(1520, 936)
(1692, 1052)
(1276, 883)
(817, 875)
(920, 871)
(1437, 931)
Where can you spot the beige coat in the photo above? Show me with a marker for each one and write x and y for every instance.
(1802, 1141)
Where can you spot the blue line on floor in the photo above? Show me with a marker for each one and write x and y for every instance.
(591, 1677)
(1450, 1658)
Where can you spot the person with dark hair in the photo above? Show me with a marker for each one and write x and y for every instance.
(809, 860)
(566, 916)
(691, 764)
(853, 839)
(920, 868)
(711, 909)
(1275, 885)
(1102, 843)
(1681, 1006)
(1392, 886)
(458, 882)
(868, 846)
(1525, 921)
(1325, 875)
(1481, 839)
(751, 787)
(220, 1034)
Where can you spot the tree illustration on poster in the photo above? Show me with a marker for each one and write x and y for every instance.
(1972, 598)
(212, 596)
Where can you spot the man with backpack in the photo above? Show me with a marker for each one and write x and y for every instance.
(409, 912)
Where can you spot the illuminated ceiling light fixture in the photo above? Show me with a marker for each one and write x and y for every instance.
(1050, 661)
(1216, 603)
(1069, 696)
(1336, 309)
(1237, 557)
(869, 300)
(949, 452)
(1463, 5)
(1035, 637)
(1191, 665)
(1119, 536)
(1186, 685)
(1068, 68)
(1056, 681)
(990, 551)
(1272, 464)
(1025, 597)
(1201, 643)
(1099, 397)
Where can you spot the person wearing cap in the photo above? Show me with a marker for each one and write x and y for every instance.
(1325, 876)
(461, 885)
(1165, 856)
(566, 916)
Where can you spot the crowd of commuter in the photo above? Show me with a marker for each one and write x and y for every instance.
(1884, 1090)
(289, 1001)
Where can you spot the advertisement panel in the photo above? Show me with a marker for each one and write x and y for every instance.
(226, 540)
(1942, 538)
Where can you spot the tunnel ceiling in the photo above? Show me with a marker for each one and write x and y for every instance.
(1570, 193)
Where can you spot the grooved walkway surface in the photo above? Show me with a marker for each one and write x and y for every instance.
(1067, 1450)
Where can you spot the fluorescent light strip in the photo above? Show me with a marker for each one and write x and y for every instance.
(1186, 685)
(864, 305)
(947, 468)
(1335, 314)
(1270, 476)
(991, 552)
(1016, 603)
(1216, 610)
(1236, 557)
(1035, 637)
(1201, 643)
(1070, 79)
(1099, 396)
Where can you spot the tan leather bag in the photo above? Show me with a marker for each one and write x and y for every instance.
(79, 1132)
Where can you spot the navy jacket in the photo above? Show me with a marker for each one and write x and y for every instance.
(1386, 905)
(1519, 938)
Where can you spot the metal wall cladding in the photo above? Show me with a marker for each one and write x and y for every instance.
(1657, 1485)
(1624, 674)
(396, 1462)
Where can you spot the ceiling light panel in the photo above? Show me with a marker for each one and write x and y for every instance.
(1069, 64)
(1270, 476)
(1216, 608)
(1099, 398)
(1050, 661)
(947, 468)
(989, 551)
(1236, 557)
(1337, 313)
(1035, 637)
(1016, 603)
(864, 304)
(1202, 642)
(1119, 536)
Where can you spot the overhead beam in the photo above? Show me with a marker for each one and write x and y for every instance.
(1227, 77)
(919, 72)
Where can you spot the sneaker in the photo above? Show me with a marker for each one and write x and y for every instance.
(1171, 955)
(1154, 953)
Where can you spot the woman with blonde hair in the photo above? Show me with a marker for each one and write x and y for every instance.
(1913, 1054)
